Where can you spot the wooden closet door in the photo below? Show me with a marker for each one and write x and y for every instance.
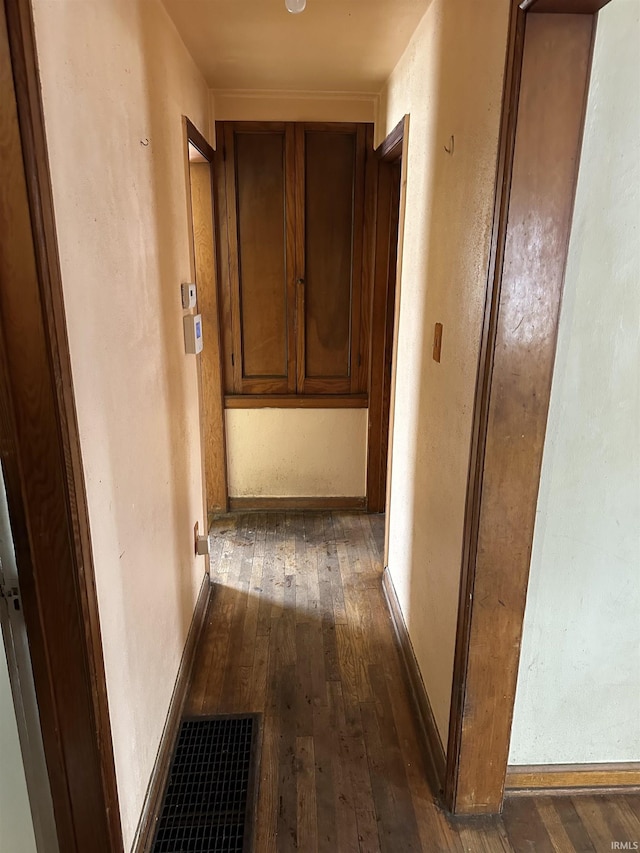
(260, 201)
(330, 164)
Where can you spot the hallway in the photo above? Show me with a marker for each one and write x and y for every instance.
(298, 630)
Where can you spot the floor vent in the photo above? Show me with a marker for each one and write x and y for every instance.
(209, 802)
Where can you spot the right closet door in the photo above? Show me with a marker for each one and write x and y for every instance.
(330, 164)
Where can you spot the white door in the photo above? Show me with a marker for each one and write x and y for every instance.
(26, 812)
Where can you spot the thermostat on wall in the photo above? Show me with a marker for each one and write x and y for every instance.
(193, 333)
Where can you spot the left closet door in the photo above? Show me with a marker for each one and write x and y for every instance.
(259, 314)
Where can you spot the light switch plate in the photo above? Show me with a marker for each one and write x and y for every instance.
(202, 546)
(188, 290)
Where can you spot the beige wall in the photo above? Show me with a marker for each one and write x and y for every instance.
(297, 452)
(116, 80)
(248, 105)
(579, 677)
(450, 82)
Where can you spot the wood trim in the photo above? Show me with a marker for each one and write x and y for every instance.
(389, 212)
(296, 401)
(357, 254)
(229, 159)
(210, 368)
(396, 327)
(513, 392)
(368, 260)
(43, 471)
(256, 126)
(391, 148)
(197, 139)
(375, 451)
(431, 742)
(225, 262)
(515, 48)
(153, 798)
(564, 7)
(572, 778)
(291, 250)
(299, 226)
(311, 503)
(334, 126)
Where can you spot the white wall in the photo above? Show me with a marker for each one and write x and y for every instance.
(579, 679)
(16, 825)
(297, 452)
(116, 80)
(450, 82)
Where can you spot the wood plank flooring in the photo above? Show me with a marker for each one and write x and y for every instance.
(298, 630)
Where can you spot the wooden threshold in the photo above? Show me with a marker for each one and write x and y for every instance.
(572, 778)
(296, 401)
(153, 798)
(434, 754)
(314, 503)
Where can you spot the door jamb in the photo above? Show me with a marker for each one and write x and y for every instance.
(393, 148)
(210, 381)
(498, 708)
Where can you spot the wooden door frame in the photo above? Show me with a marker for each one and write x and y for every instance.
(495, 563)
(42, 465)
(213, 441)
(381, 388)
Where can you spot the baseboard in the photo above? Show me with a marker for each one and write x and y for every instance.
(153, 798)
(572, 778)
(249, 504)
(430, 736)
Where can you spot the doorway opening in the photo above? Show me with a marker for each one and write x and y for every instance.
(333, 452)
(387, 266)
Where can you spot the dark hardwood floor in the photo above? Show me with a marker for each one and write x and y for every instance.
(298, 630)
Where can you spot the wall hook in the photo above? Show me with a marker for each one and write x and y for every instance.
(144, 142)
(449, 150)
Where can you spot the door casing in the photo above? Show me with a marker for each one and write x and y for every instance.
(42, 466)
(513, 390)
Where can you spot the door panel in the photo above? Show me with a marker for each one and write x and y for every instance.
(329, 163)
(261, 228)
(261, 262)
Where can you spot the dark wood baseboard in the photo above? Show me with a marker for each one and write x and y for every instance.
(153, 798)
(572, 778)
(249, 504)
(431, 741)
